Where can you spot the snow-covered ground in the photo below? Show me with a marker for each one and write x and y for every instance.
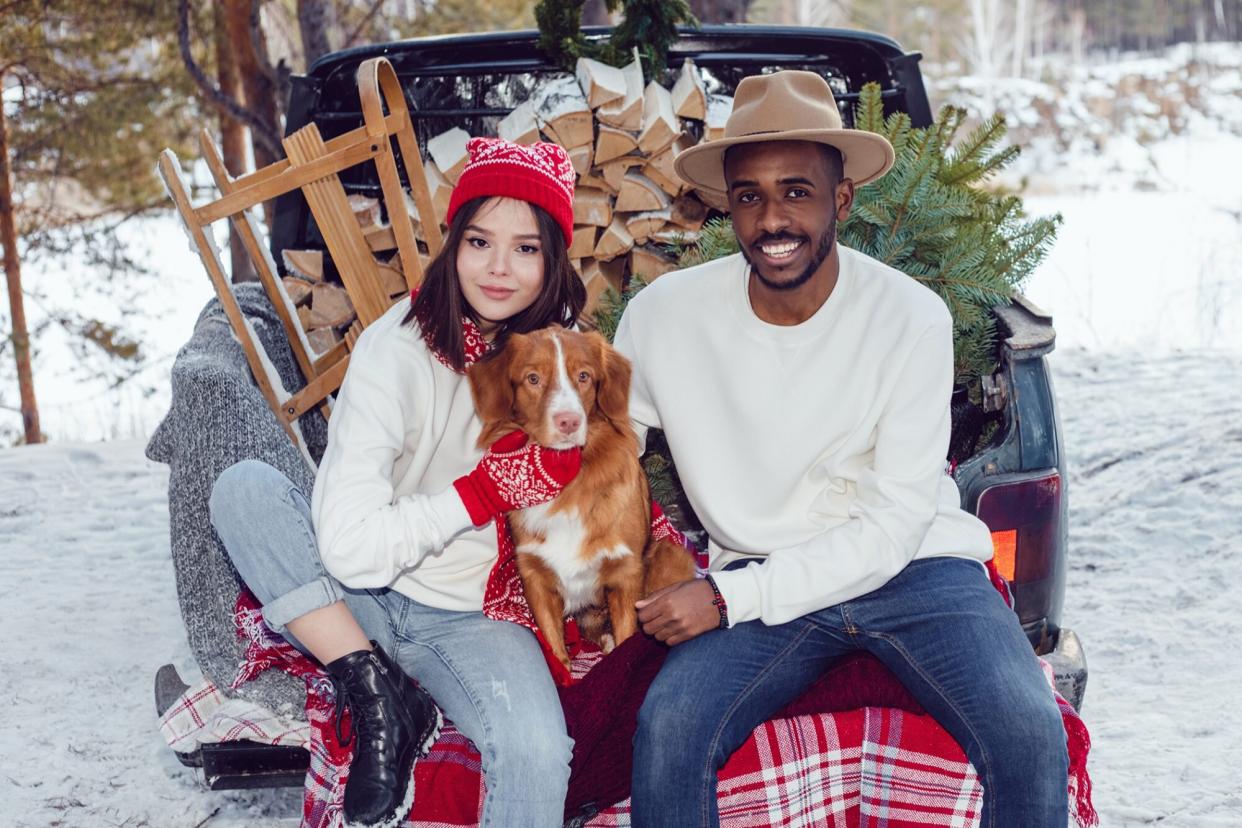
(1146, 286)
(1156, 510)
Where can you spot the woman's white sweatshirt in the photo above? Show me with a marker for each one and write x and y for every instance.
(818, 448)
(384, 508)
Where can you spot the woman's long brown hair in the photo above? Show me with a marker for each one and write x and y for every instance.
(440, 304)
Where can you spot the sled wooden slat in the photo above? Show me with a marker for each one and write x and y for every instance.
(341, 233)
(317, 389)
(313, 166)
(171, 174)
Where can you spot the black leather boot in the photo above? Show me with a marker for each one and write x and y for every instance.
(394, 723)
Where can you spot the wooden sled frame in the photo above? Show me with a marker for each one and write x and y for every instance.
(313, 166)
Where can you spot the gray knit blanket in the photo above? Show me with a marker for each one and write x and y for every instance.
(218, 417)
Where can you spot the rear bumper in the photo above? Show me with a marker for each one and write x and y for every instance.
(1069, 667)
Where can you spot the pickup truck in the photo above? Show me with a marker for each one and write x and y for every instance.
(1006, 452)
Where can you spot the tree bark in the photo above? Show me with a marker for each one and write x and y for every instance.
(232, 139)
(257, 76)
(314, 24)
(13, 277)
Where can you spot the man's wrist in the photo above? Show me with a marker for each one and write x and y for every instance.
(718, 601)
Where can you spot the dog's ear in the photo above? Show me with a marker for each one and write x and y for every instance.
(612, 394)
(493, 393)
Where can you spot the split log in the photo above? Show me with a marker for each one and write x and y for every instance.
(688, 212)
(642, 225)
(650, 263)
(304, 318)
(689, 98)
(659, 168)
(660, 124)
(719, 108)
(613, 143)
(562, 111)
(592, 207)
(392, 280)
(305, 263)
(298, 290)
(330, 307)
(594, 179)
(614, 171)
(440, 188)
(366, 209)
(584, 241)
(582, 158)
(674, 235)
(615, 241)
(448, 151)
(520, 126)
(626, 112)
(640, 193)
(598, 277)
(323, 339)
(380, 238)
(599, 82)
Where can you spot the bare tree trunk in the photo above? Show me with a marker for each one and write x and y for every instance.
(1020, 37)
(232, 138)
(314, 23)
(13, 276)
(257, 77)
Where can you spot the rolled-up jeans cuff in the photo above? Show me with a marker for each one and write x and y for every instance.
(317, 594)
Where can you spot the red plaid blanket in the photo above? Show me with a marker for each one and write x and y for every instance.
(858, 767)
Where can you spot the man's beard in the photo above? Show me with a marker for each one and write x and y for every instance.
(821, 253)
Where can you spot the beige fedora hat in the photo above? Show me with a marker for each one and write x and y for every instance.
(790, 105)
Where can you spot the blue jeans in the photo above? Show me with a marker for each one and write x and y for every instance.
(939, 626)
(489, 677)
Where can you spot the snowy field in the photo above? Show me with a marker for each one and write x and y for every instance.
(1156, 510)
(1146, 288)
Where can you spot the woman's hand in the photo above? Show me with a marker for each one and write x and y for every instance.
(515, 474)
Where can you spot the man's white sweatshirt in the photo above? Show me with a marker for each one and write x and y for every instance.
(384, 508)
(819, 447)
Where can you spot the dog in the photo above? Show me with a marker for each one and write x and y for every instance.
(588, 553)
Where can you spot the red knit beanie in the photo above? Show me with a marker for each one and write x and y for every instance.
(539, 173)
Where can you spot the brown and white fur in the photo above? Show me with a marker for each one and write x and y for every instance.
(588, 553)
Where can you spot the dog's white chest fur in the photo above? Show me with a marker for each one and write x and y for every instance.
(564, 536)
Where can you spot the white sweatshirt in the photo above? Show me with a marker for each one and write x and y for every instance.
(384, 508)
(818, 447)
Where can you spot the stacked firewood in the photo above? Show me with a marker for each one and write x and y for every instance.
(323, 306)
(629, 206)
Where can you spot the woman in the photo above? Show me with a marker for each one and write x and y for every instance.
(381, 575)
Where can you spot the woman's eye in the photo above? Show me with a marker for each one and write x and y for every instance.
(528, 248)
(583, 376)
(533, 379)
(475, 241)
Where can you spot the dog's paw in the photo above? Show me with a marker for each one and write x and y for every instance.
(607, 643)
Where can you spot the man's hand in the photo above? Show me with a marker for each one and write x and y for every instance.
(679, 612)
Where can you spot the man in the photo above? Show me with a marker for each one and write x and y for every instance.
(804, 392)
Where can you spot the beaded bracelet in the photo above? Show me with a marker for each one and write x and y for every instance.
(719, 602)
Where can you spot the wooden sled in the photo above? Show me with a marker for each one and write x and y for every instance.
(312, 166)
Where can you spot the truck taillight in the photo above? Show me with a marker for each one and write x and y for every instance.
(1024, 518)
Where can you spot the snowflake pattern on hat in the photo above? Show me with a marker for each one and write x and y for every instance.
(546, 159)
